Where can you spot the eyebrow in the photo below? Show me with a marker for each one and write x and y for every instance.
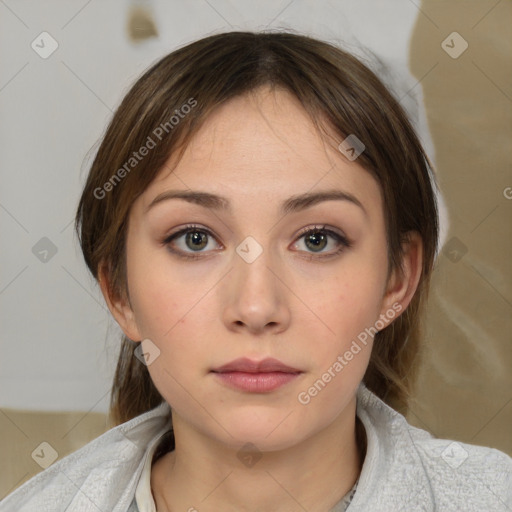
(293, 204)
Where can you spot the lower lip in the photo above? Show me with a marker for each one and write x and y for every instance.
(256, 382)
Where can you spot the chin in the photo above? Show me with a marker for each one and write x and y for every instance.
(267, 434)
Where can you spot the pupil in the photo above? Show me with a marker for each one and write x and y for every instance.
(195, 237)
(319, 237)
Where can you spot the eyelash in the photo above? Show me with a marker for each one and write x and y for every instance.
(342, 240)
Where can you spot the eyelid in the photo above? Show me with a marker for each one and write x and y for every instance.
(183, 230)
(325, 228)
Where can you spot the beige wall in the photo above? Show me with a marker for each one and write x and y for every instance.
(465, 386)
(24, 431)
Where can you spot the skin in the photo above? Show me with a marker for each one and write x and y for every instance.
(289, 303)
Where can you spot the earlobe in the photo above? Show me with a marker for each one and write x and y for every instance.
(403, 283)
(119, 306)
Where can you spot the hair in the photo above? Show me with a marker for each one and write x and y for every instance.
(340, 94)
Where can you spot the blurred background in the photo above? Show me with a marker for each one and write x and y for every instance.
(64, 68)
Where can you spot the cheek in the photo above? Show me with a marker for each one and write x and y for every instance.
(353, 301)
(170, 310)
(163, 304)
(341, 356)
(160, 298)
(348, 307)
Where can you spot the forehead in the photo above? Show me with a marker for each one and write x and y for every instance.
(263, 146)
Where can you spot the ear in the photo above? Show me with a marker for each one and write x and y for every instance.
(118, 305)
(402, 284)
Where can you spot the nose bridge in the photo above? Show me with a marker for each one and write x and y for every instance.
(256, 296)
(253, 263)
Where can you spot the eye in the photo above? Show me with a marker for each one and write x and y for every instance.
(317, 238)
(194, 239)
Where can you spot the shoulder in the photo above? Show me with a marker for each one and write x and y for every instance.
(413, 469)
(475, 475)
(102, 475)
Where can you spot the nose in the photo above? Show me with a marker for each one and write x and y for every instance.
(256, 296)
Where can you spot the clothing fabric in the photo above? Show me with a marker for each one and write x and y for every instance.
(405, 469)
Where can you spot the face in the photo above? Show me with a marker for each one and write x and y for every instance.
(219, 280)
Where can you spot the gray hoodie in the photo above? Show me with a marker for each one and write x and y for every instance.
(405, 469)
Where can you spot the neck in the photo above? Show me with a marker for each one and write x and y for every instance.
(313, 475)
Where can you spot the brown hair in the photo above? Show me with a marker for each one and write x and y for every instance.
(339, 93)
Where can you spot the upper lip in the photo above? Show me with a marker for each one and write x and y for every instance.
(244, 364)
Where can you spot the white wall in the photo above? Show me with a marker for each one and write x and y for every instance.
(58, 345)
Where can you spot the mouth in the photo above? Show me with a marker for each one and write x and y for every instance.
(256, 377)
(246, 365)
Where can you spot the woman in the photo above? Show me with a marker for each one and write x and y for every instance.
(261, 219)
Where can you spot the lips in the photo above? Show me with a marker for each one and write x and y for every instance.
(245, 365)
(251, 376)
